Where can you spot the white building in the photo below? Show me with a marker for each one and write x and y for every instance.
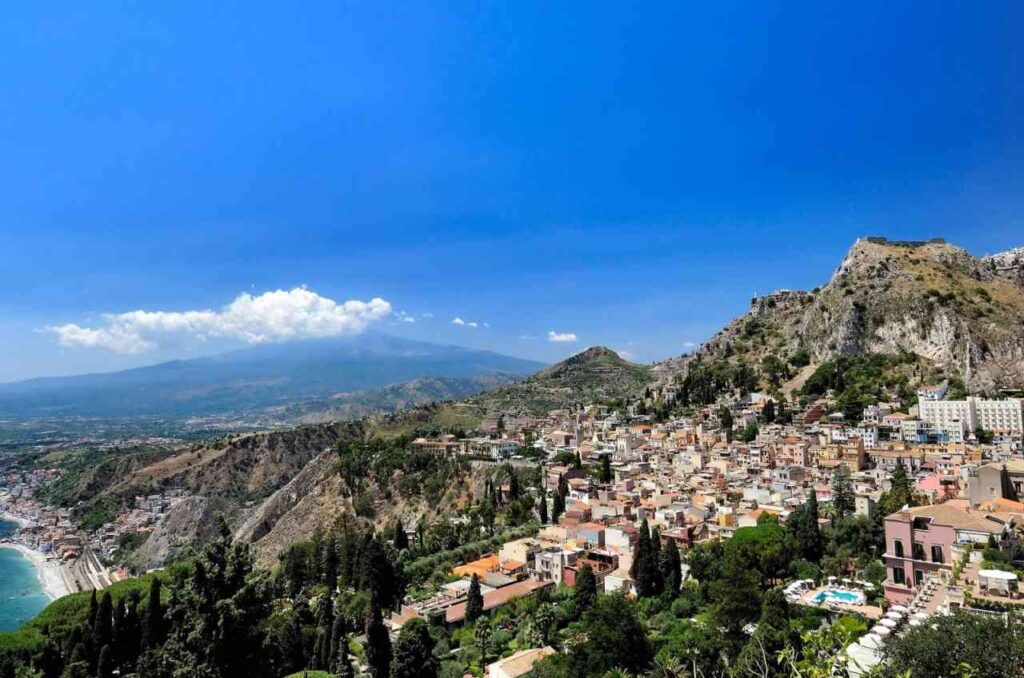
(991, 415)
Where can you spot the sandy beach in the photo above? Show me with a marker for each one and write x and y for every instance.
(49, 571)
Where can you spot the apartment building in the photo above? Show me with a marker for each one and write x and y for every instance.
(991, 415)
(919, 542)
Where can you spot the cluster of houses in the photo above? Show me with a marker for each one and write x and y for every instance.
(51, 530)
(692, 480)
(140, 518)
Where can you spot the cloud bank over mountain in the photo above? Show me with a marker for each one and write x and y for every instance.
(280, 315)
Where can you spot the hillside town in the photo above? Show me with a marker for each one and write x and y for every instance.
(83, 560)
(611, 472)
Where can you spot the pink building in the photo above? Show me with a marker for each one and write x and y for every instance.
(919, 541)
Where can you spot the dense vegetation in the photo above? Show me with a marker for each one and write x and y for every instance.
(860, 381)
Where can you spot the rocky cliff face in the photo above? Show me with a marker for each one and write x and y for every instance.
(959, 314)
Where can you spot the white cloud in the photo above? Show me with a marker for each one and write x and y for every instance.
(625, 355)
(689, 344)
(280, 315)
(458, 321)
(561, 337)
(465, 323)
(403, 317)
(427, 315)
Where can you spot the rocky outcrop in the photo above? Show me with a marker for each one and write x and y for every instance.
(191, 522)
(960, 315)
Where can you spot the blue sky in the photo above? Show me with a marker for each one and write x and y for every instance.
(628, 175)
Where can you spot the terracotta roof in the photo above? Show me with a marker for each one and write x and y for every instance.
(497, 598)
(478, 567)
(945, 514)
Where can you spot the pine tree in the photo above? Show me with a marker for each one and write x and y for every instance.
(378, 643)
(900, 494)
(414, 652)
(586, 591)
(843, 498)
(474, 600)
(671, 569)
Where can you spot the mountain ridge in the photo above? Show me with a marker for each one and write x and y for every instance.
(960, 315)
(253, 378)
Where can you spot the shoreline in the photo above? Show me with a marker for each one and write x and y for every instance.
(50, 573)
(17, 520)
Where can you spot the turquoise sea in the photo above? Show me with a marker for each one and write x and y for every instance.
(21, 594)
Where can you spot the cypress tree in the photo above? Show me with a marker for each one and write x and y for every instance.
(671, 569)
(378, 643)
(343, 663)
(1007, 490)
(579, 460)
(152, 629)
(843, 498)
(401, 538)
(542, 506)
(128, 646)
(557, 507)
(639, 570)
(102, 631)
(586, 591)
(773, 635)
(654, 563)
(105, 665)
(93, 607)
(606, 469)
(513, 484)
(803, 523)
(118, 639)
(474, 600)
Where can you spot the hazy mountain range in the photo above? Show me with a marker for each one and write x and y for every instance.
(267, 376)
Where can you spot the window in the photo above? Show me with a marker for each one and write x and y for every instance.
(918, 577)
(897, 548)
(936, 553)
(898, 576)
(918, 551)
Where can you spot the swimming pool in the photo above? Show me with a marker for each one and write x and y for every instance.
(839, 595)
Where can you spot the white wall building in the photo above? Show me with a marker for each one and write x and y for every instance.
(991, 415)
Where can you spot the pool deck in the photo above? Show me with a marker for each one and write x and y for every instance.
(869, 611)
